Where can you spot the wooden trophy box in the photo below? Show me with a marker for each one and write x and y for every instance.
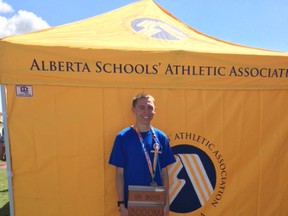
(146, 200)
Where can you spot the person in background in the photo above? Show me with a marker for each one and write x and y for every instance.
(2, 147)
(141, 154)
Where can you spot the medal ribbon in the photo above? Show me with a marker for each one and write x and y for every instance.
(152, 170)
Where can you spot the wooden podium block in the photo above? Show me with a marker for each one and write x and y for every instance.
(146, 201)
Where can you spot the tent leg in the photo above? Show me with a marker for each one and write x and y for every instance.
(7, 150)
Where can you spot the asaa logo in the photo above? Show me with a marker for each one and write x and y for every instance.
(192, 179)
(199, 177)
(157, 29)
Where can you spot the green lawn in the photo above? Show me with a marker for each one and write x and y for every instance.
(4, 200)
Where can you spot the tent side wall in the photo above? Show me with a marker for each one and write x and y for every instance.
(61, 140)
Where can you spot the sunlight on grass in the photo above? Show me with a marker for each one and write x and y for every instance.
(4, 206)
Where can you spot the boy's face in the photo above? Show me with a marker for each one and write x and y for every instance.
(144, 111)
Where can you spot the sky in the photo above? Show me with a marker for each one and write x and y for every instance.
(255, 23)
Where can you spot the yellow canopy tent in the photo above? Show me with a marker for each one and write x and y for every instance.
(68, 91)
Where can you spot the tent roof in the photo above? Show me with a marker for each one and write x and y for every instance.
(142, 25)
(141, 46)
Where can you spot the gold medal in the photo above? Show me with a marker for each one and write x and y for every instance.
(156, 146)
(153, 184)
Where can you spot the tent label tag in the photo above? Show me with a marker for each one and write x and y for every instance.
(24, 91)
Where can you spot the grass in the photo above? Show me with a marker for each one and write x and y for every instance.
(4, 200)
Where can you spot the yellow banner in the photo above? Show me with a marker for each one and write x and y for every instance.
(174, 69)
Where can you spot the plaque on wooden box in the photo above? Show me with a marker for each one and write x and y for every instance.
(146, 200)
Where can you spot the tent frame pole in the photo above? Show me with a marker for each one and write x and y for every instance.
(7, 150)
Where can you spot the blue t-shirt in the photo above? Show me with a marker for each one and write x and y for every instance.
(128, 153)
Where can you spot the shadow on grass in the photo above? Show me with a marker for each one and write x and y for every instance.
(5, 211)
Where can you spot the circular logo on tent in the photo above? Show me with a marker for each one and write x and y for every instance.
(194, 179)
(198, 177)
(157, 29)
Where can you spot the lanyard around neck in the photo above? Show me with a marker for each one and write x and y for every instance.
(151, 169)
